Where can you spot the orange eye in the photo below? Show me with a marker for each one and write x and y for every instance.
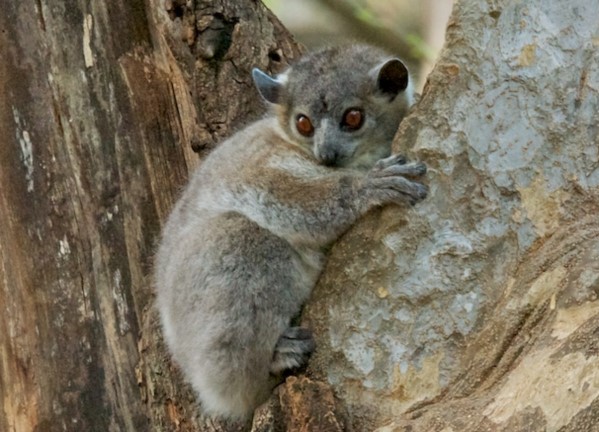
(353, 119)
(304, 125)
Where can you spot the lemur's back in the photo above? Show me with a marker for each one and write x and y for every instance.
(232, 263)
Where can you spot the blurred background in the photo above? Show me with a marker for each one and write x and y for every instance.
(414, 30)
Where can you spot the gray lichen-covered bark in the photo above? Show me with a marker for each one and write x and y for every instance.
(478, 309)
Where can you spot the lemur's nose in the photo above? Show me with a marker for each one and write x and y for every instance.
(330, 158)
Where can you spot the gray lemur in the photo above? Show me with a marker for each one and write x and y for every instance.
(246, 241)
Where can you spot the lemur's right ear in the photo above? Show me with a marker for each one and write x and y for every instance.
(270, 88)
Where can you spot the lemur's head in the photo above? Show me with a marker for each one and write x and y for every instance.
(344, 103)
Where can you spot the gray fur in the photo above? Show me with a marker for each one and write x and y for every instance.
(243, 247)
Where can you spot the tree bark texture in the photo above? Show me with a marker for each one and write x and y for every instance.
(475, 311)
(478, 309)
(102, 105)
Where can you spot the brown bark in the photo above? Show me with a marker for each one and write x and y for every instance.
(102, 105)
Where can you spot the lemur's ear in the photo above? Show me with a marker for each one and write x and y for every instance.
(391, 77)
(270, 88)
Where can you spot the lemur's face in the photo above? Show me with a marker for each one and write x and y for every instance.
(345, 105)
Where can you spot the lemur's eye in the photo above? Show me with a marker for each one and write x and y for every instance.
(353, 119)
(304, 125)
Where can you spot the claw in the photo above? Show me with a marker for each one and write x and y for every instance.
(421, 168)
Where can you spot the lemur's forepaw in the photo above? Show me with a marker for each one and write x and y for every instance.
(292, 350)
(399, 165)
(397, 180)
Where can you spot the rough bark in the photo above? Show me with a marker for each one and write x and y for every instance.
(477, 310)
(102, 105)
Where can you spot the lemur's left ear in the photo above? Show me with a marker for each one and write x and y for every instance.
(391, 77)
(269, 88)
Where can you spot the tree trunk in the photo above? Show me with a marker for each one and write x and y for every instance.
(102, 105)
(476, 310)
